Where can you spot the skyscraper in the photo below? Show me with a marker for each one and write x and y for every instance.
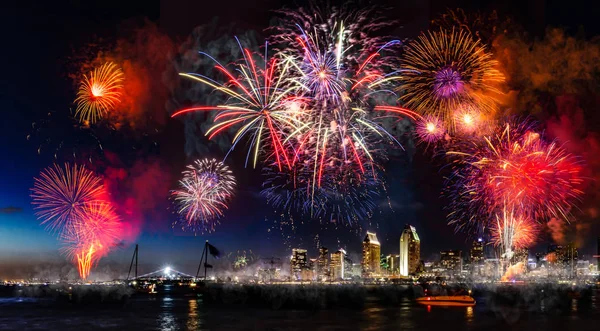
(393, 262)
(338, 264)
(477, 252)
(410, 251)
(451, 260)
(298, 262)
(371, 256)
(323, 263)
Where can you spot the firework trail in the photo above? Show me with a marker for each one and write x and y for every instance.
(203, 194)
(262, 104)
(99, 93)
(446, 70)
(60, 194)
(513, 231)
(95, 230)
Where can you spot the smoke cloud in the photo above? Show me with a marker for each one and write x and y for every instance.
(554, 80)
(11, 210)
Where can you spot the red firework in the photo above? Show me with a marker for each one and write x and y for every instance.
(92, 234)
(516, 169)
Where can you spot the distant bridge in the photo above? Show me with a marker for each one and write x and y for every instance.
(166, 272)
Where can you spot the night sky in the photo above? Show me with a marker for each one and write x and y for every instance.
(41, 43)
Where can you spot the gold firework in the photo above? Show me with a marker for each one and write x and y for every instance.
(99, 92)
(445, 70)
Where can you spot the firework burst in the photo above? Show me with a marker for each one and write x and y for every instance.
(203, 194)
(313, 110)
(447, 69)
(99, 93)
(60, 194)
(513, 168)
(512, 231)
(94, 231)
(430, 130)
(344, 80)
(262, 104)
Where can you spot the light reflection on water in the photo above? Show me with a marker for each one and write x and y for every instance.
(166, 319)
(179, 313)
(469, 315)
(193, 320)
(374, 316)
(406, 321)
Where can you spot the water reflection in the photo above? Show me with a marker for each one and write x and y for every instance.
(166, 319)
(574, 305)
(469, 315)
(374, 317)
(406, 315)
(193, 320)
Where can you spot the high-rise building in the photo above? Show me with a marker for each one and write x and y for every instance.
(323, 263)
(393, 262)
(298, 262)
(451, 260)
(348, 265)
(370, 257)
(338, 264)
(477, 256)
(410, 251)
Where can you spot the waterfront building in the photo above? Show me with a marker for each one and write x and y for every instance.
(371, 256)
(348, 265)
(323, 264)
(410, 251)
(338, 264)
(451, 261)
(393, 262)
(298, 263)
(477, 251)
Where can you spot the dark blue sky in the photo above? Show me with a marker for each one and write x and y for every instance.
(37, 39)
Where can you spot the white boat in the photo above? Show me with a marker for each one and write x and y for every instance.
(447, 300)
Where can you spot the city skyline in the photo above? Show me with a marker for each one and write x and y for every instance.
(24, 243)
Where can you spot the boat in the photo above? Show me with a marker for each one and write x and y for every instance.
(447, 300)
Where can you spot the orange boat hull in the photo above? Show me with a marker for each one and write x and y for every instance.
(450, 301)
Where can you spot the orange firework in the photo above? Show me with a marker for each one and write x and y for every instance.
(469, 120)
(85, 261)
(99, 93)
(445, 69)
